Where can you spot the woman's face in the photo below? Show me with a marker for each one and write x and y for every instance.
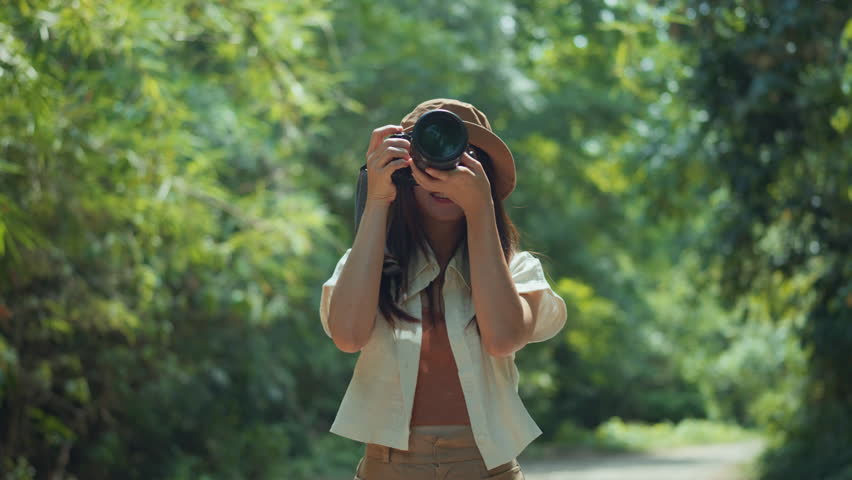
(436, 208)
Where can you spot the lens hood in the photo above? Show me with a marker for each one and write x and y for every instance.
(439, 138)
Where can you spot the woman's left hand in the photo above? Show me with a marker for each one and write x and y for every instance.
(466, 185)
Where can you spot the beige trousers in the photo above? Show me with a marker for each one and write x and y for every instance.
(436, 452)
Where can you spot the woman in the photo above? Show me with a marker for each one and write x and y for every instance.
(437, 298)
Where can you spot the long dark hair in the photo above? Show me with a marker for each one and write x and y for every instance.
(406, 234)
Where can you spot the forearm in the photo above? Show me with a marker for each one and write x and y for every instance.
(354, 303)
(504, 317)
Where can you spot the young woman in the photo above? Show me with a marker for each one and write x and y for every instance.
(437, 297)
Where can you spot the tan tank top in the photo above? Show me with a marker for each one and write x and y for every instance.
(438, 397)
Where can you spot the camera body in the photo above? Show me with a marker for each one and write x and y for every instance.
(438, 140)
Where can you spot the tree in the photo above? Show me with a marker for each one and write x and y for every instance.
(157, 290)
(774, 83)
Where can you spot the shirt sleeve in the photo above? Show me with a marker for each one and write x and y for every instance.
(528, 276)
(327, 289)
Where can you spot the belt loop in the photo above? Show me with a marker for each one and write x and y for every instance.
(379, 452)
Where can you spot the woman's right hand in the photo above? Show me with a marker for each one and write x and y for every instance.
(385, 156)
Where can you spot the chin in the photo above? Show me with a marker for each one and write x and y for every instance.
(441, 217)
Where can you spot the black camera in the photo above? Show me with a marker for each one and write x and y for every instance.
(438, 139)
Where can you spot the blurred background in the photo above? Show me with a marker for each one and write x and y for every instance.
(177, 180)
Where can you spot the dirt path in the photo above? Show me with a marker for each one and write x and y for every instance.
(706, 462)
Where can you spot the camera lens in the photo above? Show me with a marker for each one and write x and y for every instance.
(440, 137)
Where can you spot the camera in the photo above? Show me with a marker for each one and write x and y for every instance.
(438, 139)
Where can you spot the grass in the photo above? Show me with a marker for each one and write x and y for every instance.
(617, 435)
(638, 436)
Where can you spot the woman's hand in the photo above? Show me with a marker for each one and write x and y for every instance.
(385, 156)
(466, 185)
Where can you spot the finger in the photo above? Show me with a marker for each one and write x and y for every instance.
(397, 142)
(471, 163)
(423, 179)
(439, 174)
(383, 157)
(380, 134)
(397, 164)
(463, 169)
(393, 153)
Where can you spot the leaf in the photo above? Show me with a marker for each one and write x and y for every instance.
(840, 120)
(6, 167)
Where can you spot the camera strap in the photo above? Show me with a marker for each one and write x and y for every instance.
(360, 195)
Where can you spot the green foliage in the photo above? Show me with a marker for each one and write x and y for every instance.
(160, 248)
(618, 435)
(637, 436)
(176, 181)
(774, 82)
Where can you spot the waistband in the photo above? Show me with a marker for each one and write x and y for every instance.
(430, 444)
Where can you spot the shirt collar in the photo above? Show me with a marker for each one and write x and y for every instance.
(425, 268)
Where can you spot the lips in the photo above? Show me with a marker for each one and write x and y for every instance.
(440, 198)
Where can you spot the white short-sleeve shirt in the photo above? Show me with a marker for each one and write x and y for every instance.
(376, 407)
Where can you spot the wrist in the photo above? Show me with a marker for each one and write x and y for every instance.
(374, 216)
(377, 205)
(481, 215)
(485, 207)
